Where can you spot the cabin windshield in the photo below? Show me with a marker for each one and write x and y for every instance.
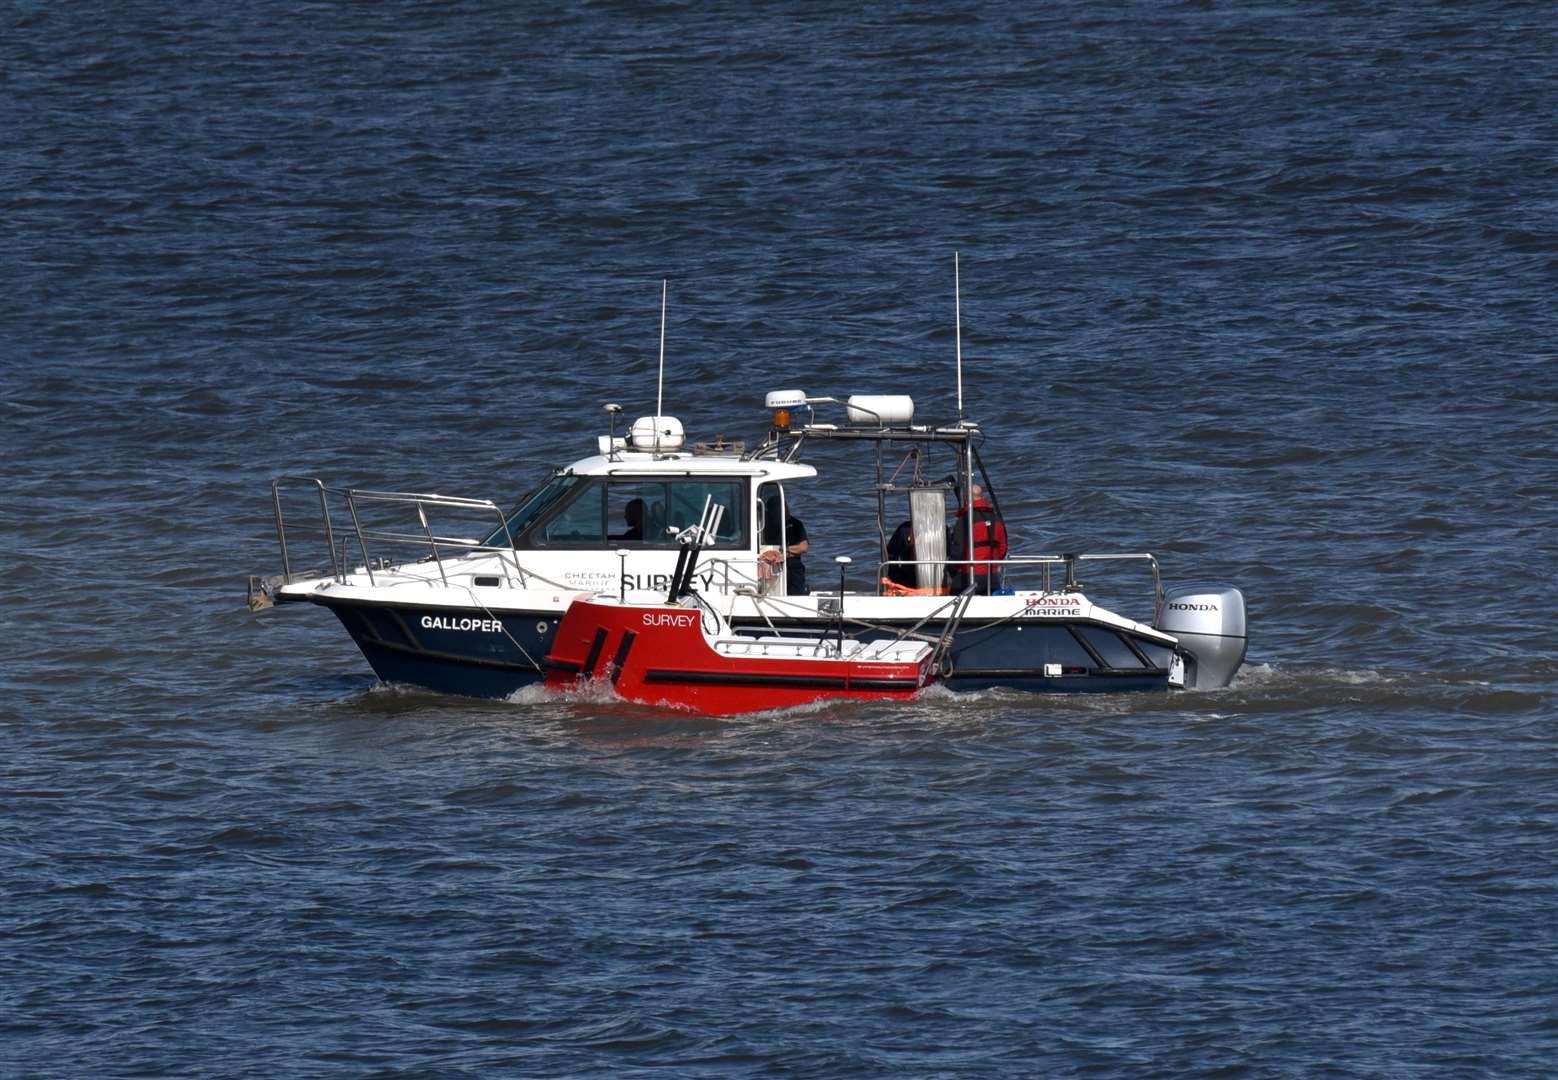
(639, 511)
(533, 508)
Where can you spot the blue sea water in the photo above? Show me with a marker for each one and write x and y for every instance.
(1266, 290)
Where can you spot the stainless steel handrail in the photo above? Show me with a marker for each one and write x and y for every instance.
(337, 565)
(420, 497)
(1048, 562)
(421, 502)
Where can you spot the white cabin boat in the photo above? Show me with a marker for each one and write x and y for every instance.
(476, 614)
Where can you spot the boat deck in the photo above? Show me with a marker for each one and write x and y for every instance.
(900, 652)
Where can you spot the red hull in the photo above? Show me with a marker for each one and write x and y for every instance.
(657, 654)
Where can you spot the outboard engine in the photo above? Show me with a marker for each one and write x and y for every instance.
(1208, 620)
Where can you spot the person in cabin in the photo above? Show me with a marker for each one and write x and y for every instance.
(633, 515)
(900, 547)
(989, 543)
(796, 545)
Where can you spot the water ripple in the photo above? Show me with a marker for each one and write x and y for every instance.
(1261, 290)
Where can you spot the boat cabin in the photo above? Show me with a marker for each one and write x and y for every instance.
(635, 500)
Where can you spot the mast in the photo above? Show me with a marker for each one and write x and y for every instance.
(957, 309)
(660, 383)
(968, 445)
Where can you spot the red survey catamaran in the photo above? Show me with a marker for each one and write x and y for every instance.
(680, 652)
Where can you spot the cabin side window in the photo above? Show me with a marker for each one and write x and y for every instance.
(535, 506)
(640, 512)
(579, 523)
(686, 505)
(636, 512)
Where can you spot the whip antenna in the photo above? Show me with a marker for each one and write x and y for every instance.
(660, 384)
(957, 306)
(660, 387)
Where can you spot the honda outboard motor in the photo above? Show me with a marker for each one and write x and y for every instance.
(1208, 620)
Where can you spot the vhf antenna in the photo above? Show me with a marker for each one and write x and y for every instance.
(957, 305)
(660, 385)
(660, 389)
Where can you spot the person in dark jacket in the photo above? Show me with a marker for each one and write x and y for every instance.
(633, 518)
(989, 543)
(900, 547)
(796, 545)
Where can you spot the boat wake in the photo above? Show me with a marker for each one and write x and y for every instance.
(1255, 676)
(588, 692)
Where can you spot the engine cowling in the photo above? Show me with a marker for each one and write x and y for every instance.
(1209, 622)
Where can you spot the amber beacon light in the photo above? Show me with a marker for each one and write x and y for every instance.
(781, 403)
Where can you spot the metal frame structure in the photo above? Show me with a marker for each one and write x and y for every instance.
(964, 438)
(419, 501)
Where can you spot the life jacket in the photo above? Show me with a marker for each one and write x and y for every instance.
(989, 537)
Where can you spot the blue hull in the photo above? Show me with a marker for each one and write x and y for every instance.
(1013, 654)
(451, 652)
(493, 655)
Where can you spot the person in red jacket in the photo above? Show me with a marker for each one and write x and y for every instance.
(989, 543)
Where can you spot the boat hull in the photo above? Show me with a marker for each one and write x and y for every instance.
(460, 651)
(450, 651)
(1055, 656)
(659, 655)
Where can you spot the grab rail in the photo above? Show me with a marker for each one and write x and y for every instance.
(356, 497)
(337, 563)
(421, 502)
(1048, 562)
